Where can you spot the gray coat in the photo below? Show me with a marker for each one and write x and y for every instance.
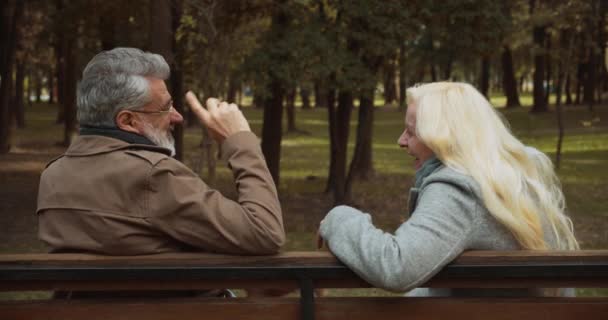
(447, 217)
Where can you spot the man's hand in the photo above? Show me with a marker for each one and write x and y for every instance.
(221, 119)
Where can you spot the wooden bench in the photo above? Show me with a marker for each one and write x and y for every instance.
(303, 270)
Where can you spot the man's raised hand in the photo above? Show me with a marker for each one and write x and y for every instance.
(221, 119)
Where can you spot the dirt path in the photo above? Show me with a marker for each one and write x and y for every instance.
(19, 176)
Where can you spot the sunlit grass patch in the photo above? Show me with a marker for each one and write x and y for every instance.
(25, 295)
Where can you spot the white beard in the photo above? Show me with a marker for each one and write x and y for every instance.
(159, 138)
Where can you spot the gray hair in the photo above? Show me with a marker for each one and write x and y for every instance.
(115, 80)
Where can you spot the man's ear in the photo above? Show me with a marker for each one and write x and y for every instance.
(127, 121)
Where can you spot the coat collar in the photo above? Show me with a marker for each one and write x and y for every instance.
(94, 144)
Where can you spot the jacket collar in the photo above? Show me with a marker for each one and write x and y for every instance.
(86, 145)
(428, 167)
(116, 133)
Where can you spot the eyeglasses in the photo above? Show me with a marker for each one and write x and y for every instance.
(155, 112)
(166, 108)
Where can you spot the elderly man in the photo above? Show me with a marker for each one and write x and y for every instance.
(117, 190)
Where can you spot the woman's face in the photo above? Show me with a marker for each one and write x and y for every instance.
(408, 139)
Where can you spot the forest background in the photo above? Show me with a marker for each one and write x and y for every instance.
(322, 84)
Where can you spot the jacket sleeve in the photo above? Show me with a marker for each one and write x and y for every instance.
(436, 233)
(183, 206)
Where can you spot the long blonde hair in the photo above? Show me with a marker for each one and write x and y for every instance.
(518, 183)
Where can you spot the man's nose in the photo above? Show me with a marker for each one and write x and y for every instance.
(176, 117)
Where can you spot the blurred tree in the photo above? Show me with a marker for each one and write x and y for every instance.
(363, 36)
(539, 32)
(68, 31)
(28, 59)
(12, 12)
(595, 40)
(217, 36)
(278, 53)
(165, 18)
(509, 83)
(290, 107)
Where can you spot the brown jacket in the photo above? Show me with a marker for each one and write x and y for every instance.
(108, 196)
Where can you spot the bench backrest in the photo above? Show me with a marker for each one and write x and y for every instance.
(303, 270)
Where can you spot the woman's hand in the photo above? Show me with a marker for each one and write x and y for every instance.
(320, 240)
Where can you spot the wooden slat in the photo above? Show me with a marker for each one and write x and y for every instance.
(289, 284)
(325, 308)
(477, 269)
(303, 258)
(321, 258)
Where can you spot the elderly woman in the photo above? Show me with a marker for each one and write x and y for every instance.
(476, 187)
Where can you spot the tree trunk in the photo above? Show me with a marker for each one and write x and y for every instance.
(560, 136)
(539, 101)
(35, 81)
(580, 76)
(330, 101)
(567, 89)
(166, 16)
(565, 44)
(60, 63)
(390, 90)
(598, 45)
(12, 12)
(161, 29)
(51, 85)
(208, 151)
(18, 105)
(10, 87)
(305, 95)
(589, 81)
(107, 32)
(402, 77)
(177, 77)
(559, 84)
(601, 42)
(29, 90)
(318, 91)
(509, 83)
(290, 105)
(233, 86)
(593, 61)
(433, 72)
(339, 130)
(272, 130)
(258, 100)
(191, 120)
(549, 70)
(484, 79)
(177, 89)
(361, 166)
(70, 90)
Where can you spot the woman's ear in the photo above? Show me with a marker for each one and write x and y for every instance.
(126, 121)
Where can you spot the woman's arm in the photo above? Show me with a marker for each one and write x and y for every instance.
(438, 231)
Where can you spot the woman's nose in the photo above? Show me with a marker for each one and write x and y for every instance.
(402, 141)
